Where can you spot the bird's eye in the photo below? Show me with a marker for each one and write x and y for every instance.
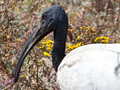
(44, 17)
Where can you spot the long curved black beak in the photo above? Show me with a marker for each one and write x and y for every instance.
(33, 39)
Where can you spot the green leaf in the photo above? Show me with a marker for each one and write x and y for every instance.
(12, 28)
(21, 26)
(10, 67)
(28, 2)
(6, 21)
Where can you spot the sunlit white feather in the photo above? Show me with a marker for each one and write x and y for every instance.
(91, 67)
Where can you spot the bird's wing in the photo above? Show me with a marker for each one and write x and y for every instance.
(92, 52)
(91, 67)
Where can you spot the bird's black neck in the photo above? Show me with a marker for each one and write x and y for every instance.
(58, 53)
(60, 36)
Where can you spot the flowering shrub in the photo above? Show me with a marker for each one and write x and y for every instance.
(89, 22)
(73, 46)
(46, 46)
(102, 39)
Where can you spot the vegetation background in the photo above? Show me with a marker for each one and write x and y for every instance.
(90, 21)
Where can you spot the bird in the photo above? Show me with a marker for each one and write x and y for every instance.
(89, 67)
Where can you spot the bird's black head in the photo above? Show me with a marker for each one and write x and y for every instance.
(53, 19)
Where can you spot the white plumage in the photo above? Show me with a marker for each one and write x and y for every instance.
(91, 67)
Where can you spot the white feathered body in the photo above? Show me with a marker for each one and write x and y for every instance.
(91, 67)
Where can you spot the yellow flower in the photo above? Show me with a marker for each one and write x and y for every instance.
(102, 39)
(18, 40)
(16, 8)
(22, 76)
(78, 37)
(43, 42)
(46, 54)
(88, 27)
(49, 48)
(10, 44)
(6, 55)
(44, 38)
(93, 29)
(71, 47)
(81, 27)
(11, 48)
(71, 29)
(33, 70)
(8, 36)
(49, 41)
(75, 13)
(118, 42)
(43, 46)
(78, 45)
(40, 61)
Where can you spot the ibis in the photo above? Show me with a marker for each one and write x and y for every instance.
(89, 67)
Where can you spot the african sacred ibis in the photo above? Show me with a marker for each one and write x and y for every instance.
(90, 67)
